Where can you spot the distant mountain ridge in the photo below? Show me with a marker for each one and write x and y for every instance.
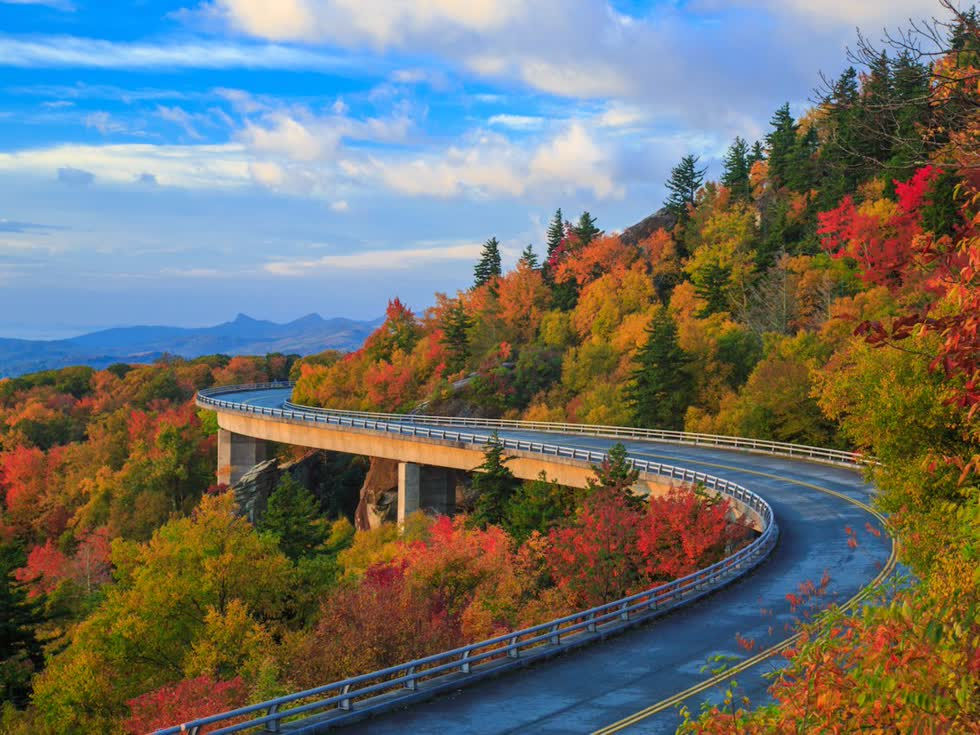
(241, 336)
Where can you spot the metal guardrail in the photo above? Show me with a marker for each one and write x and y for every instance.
(341, 701)
(764, 446)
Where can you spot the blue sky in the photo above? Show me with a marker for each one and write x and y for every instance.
(179, 162)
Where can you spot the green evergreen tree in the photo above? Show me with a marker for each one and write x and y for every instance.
(782, 146)
(538, 505)
(661, 385)
(802, 176)
(494, 485)
(616, 474)
(757, 153)
(20, 651)
(736, 169)
(488, 266)
(585, 230)
(293, 517)
(556, 233)
(682, 186)
(528, 257)
(456, 324)
(711, 284)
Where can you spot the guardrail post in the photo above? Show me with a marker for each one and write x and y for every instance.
(345, 704)
(464, 665)
(591, 626)
(623, 612)
(273, 726)
(514, 652)
(411, 683)
(555, 637)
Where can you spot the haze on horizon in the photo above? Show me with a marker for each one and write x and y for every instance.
(189, 160)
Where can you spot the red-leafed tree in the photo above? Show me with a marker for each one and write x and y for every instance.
(595, 559)
(684, 531)
(184, 701)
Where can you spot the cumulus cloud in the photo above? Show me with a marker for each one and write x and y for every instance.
(492, 165)
(339, 206)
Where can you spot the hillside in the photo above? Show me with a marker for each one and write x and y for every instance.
(241, 336)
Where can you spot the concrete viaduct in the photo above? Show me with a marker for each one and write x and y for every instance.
(635, 681)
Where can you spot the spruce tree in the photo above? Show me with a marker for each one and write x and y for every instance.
(455, 336)
(661, 384)
(556, 233)
(757, 153)
(493, 485)
(685, 180)
(585, 230)
(736, 169)
(529, 259)
(488, 266)
(782, 145)
(20, 650)
(293, 517)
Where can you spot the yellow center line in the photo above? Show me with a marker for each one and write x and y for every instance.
(779, 647)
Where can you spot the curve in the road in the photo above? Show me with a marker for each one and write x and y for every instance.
(828, 531)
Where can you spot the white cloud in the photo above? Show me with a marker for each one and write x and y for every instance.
(382, 23)
(192, 166)
(179, 117)
(492, 165)
(376, 259)
(103, 122)
(518, 122)
(339, 206)
(621, 116)
(71, 51)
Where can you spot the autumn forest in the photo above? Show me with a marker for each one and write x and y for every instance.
(825, 290)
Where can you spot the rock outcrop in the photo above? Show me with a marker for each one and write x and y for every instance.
(661, 219)
(379, 495)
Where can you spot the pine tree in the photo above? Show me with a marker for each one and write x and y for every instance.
(711, 284)
(556, 233)
(20, 650)
(661, 385)
(736, 169)
(782, 146)
(494, 485)
(801, 176)
(293, 517)
(585, 230)
(757, 153)
(529, 259)
(455, 335)
(685, 180)
(488, 267)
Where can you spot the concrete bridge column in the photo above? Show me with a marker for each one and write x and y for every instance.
(427, 488)
(409, 489)
(237, 454)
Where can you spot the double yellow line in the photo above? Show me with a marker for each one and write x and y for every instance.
(748, 663)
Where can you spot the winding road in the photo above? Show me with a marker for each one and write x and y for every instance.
(634, 682)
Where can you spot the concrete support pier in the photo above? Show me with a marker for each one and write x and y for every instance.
(427, 488)
(237, 454)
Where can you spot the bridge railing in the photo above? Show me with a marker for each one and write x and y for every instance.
(798, 451)
(341, 701)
